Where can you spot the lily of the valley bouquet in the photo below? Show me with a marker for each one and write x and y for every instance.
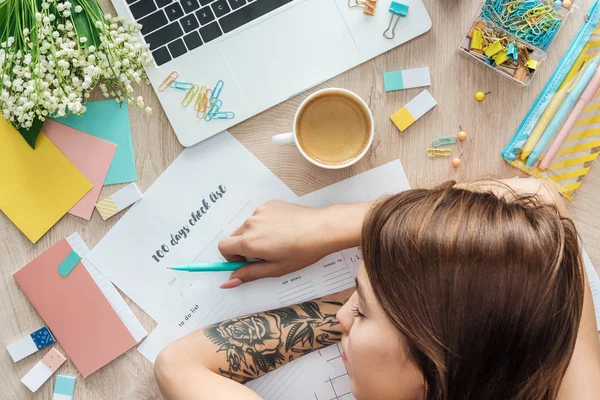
(53, 53)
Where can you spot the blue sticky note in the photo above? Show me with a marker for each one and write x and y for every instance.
(42, 338)
(393, 81)
(69, 263)
(109, 120)
(64, 385)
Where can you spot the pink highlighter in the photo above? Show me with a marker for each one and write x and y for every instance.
(588, 95)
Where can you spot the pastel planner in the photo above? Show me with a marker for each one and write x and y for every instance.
(109, 120)
(119, 201)
(91, 155)
(30, 344)
(414, 110)
(406, 79)
(37, 187)
(86, 314)
(43, 370)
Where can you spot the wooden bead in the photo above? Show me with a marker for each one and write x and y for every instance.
(462, 135)
(456, 162)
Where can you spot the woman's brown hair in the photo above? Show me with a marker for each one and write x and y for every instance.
(487, 290)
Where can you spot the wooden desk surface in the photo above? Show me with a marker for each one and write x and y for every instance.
(490, 125)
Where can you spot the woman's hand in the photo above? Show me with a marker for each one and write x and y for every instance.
(289, 237)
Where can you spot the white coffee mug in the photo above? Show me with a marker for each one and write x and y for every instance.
(291, 137)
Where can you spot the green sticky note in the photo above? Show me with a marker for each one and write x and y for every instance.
(109, 121)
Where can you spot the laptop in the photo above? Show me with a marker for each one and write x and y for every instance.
(265, 51)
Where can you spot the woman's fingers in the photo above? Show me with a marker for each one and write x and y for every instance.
(252, 272)
(231, 248)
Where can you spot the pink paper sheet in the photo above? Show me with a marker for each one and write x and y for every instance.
(90, 155)
(74, 308)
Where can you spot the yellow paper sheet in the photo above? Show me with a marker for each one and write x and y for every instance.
(37, 187)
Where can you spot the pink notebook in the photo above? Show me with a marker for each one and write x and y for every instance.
(75, 309)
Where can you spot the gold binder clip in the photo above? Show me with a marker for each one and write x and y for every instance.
(368, 6)
(438, 152)
(168, 80)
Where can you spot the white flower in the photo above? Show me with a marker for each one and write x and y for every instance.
(149, 110)
(83, 39)
(78, 9)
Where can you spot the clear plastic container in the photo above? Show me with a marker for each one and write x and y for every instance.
(509, 69)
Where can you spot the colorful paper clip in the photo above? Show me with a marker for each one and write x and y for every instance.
(398, 10)
(216, 92)
(438, 152)
(168, 80)
(214, 108)
(179, 85)
(200, 104)
(444, 141)
(190, 95)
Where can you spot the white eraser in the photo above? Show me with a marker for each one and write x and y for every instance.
(43, 370)
(30, 344)
(119, 201)
(421, 104)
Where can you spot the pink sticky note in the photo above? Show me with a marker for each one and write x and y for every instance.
(91, 155)
(75, 309)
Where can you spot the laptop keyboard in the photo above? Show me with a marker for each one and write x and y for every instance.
(174, 27)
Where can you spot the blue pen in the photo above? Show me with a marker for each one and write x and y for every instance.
(564, 111)
(212, 267)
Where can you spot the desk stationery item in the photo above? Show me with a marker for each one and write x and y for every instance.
(211, 267)
(92, 157)
(456, 162)
(563, 111)
(506, 54)
(86, 314)
(587, 96)
(64, 387)
(438, 152)
(109, 120)
(168, 81)
(462, 135)
(37, 187)
(398, 11)
(406, 79)
(444, 141)
(581, 147)
(43, 370)
(413, 110)
(333, 129)
(30, 344)
(480, 96)
(119, 201)
(368, 6)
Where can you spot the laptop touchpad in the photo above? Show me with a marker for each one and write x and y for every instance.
(290, 52)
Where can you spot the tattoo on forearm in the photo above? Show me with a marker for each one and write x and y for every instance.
(259, 343)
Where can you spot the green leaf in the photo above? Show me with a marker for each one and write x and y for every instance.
(31, 134)
(84, 26)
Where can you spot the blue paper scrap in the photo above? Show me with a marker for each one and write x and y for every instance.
(42, 338)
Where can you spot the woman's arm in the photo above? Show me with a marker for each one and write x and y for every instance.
(290, 237)
(209, 363)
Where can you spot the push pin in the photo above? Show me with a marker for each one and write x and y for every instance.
(480, 95)
(462, 135)
(457, 161)
(398, 10)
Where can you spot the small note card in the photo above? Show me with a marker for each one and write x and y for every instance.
(43, 370)
(119, 201)
(64, 387)
(406, 79)
(414, 110)
(30, 344)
